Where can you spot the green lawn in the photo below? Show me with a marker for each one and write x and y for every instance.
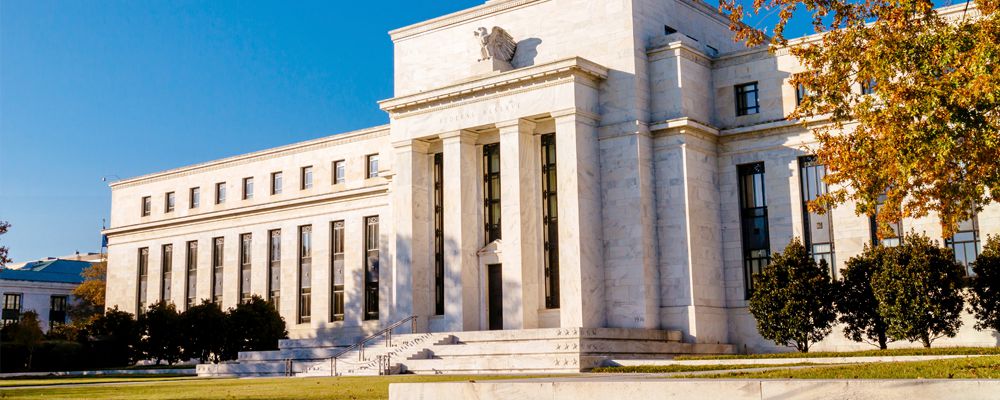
(938, 351)
(354, 388)
(661, 369)
(955, 368)
(61, 380)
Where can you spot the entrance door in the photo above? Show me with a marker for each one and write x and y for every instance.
(495, 306)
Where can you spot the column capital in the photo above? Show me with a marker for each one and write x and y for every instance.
(520, 124)
(417, 146)
(576, 113)
(460, 135)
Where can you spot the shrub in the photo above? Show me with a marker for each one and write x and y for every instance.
(253, 326)
(117, 337)
(28, 334)
(919, 291)
(856, 302)
(984, 296)
(793, 299)
(160, 333)
(204, 329)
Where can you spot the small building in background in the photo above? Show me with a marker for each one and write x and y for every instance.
(44, 286)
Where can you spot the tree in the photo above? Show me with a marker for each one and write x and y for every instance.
(926, 137)
(793, 299)
(984, 296)
(28, 334)
(254, 325)
(204, 327)
(4, 226)
(118, 335)
(919, 291)
(856, 302)
(160, 329)
(90, 294)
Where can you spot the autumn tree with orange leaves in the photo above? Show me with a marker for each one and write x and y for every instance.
(925, 133)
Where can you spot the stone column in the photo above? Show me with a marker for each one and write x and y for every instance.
(581, 278)
(520, 219)
(411, 216)
(462, 184)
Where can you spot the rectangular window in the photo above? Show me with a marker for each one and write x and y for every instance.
(801, 92)
(372, 165)
(191, 265)
(166, 271)
(371, 268)
(169, 201)
(147, 206)
(746, 99)
(339, 172)
(753, 220)
(58, 305)
(895, 230)
(247, 188)
(305, 273)
(194, 197)
(274, 268)
(143, 274)
(11, 308)
(246, 241)
(965, 243)
(217, 269)
(307, 177)
(817, 229)
(220, 193)
(337, 266)
(276, 183)
(491, 191)
(439, 234)
(550, 220)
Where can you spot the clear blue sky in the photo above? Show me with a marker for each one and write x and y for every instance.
(92, 89)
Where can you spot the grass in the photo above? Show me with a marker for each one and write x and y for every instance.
(353, 388)
(939, 351)
(42, 380)
(660, 369)
(955, 368)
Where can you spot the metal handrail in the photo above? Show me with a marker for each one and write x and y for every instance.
(360, 346)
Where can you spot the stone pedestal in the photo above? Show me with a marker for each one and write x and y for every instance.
(490, 66)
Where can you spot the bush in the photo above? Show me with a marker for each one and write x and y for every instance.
(984, 296)
(253, 326)
(204, 329)
(117, 337)
(919, 291)
(856, 303)
(160, 333)
(793, 299)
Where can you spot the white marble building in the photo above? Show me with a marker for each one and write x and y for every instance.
(590, 179)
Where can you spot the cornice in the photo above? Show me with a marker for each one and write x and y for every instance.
(469, 14)
(683, 123)
(334, 140)
(511, 80)
(291, 204)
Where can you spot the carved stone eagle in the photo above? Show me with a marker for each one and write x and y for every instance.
(497, 44)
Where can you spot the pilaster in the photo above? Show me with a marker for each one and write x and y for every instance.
(411, 218)
(461, 230)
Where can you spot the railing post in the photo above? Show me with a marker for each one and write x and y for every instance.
(413, 324)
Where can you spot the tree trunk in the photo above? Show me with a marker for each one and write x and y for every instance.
(926, 340)
(883, 342)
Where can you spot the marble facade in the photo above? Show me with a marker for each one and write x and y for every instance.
(639, 95)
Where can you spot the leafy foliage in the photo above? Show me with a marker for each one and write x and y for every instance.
(856, 303)
(254, 325)
(919, 290)
(28, 334)
(4, 226)
(927, 136)
(90, 294)
(984, 296)
(204, 327)
(793, 299)
(120, 333)
(161, 333)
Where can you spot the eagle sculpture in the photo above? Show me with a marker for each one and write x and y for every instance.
(497, 44)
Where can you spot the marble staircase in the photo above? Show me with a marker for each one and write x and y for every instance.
(555, 350)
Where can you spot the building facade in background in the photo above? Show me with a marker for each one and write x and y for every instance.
(43, 286)
(548, 163)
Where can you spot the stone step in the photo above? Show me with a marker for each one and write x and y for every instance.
(502, 364)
